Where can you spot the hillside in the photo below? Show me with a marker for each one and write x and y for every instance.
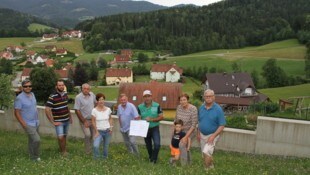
(13, 23)
(68, 13)
(224, 25)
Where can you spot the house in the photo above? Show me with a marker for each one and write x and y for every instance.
(61, 52)
(121, 59)
(7, 55)
(63, 74)
(233, 91)
(50, 48)
(47, 37)
(31, 54)
(115, 76)
(49, 63)
(17, 49)
(167, 72)
(40, 59)
(127, 52)
(166, 94)
(72, 34)
(25, 74)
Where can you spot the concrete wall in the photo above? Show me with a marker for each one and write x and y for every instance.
(273, 136)
(283, 137)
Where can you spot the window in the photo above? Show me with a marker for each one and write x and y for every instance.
(164, 98)
(134, 98)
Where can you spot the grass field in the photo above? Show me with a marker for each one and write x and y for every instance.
(286, 92)
(14, 160)
(38, 27)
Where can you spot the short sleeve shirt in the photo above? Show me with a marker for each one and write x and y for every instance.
(28, 108)
(125, 115)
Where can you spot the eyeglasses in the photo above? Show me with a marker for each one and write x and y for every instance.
(27, 86)
(208, 96)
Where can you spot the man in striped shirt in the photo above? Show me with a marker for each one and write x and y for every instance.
(58, 113)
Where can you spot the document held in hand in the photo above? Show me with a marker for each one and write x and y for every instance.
(138, 128)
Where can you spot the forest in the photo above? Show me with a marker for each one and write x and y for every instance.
(224, 25)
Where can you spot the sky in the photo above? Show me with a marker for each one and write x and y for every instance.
(170, 3)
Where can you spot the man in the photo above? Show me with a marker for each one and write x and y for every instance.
(126, 112)
(84, 104)
(25, 110)
(211, 122)
(151, 112)
(58, 113)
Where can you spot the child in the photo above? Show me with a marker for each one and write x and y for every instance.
(178, 134)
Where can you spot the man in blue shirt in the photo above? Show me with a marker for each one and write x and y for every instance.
(211, 123)
(126, 112)
(25, 110)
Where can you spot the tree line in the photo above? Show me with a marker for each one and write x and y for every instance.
(226, 24)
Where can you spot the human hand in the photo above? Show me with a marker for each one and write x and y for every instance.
(57, 123)
(86, 124)
(211, 139)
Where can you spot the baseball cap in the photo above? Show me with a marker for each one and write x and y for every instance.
(147, 92)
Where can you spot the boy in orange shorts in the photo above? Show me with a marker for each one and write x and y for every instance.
(178, 134)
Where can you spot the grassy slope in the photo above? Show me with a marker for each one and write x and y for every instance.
(286, 92)
(14, 160)
(34, 26)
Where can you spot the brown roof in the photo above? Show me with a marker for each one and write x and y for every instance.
(26, 72)
(122, 72)
(61, 51)
(165, 68)
(50, 47)
(30, 52)
(52, 35)
(223, 83)
(126, 52)
(171, 91)
(6, 55)
(235, 101)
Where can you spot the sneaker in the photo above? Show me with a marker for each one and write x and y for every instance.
(37, 159)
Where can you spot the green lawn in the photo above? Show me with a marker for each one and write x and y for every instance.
(14, 160)
(4, 42)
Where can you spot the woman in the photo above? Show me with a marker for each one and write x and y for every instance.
(189, 115)
(102, 122)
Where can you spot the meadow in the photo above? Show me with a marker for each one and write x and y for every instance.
(14, 160)
(38, 27)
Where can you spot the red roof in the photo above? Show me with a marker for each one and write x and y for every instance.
(165, 68)
(30, 52)
(166, 94)
(61, 51)
(49, 62)
(122, 58)
(127, 52)
(121, 72)
(6, 55)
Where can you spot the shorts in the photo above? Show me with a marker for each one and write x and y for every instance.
(205, 147)
(174, 151)
(62, 129)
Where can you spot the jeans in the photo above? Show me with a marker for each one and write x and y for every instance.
(105, 136)
(33, 141)
(153, 134)
(62, 129)
(88, 133)
(130, 142)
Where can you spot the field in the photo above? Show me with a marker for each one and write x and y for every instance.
(38, 27)
(14, 160)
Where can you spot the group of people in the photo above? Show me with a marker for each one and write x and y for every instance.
(97, 124)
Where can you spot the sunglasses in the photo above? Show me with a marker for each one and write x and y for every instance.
(27, 86)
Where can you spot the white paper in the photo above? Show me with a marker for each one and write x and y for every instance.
(138, 128)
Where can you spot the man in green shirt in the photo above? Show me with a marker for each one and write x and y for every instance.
(151, 112)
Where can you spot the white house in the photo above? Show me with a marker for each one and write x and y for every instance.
(167, 72)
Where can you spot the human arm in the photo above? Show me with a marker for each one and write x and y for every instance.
(19, 118)
(189, 143)
(93, 120)
(215, 134)
(111, 123)
(48, 113)
(81, 118)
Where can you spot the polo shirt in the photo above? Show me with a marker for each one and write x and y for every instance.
(85, 104)
(28, 108)
(59, 106)
(125, 115)
(210, 119)
(152, 111)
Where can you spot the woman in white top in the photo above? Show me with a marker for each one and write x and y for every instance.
(102, 122)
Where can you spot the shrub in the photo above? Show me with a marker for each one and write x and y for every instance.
(236, 122)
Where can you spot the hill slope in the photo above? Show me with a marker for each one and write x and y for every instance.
(13, 23)
(69, 12)
(226, 24)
